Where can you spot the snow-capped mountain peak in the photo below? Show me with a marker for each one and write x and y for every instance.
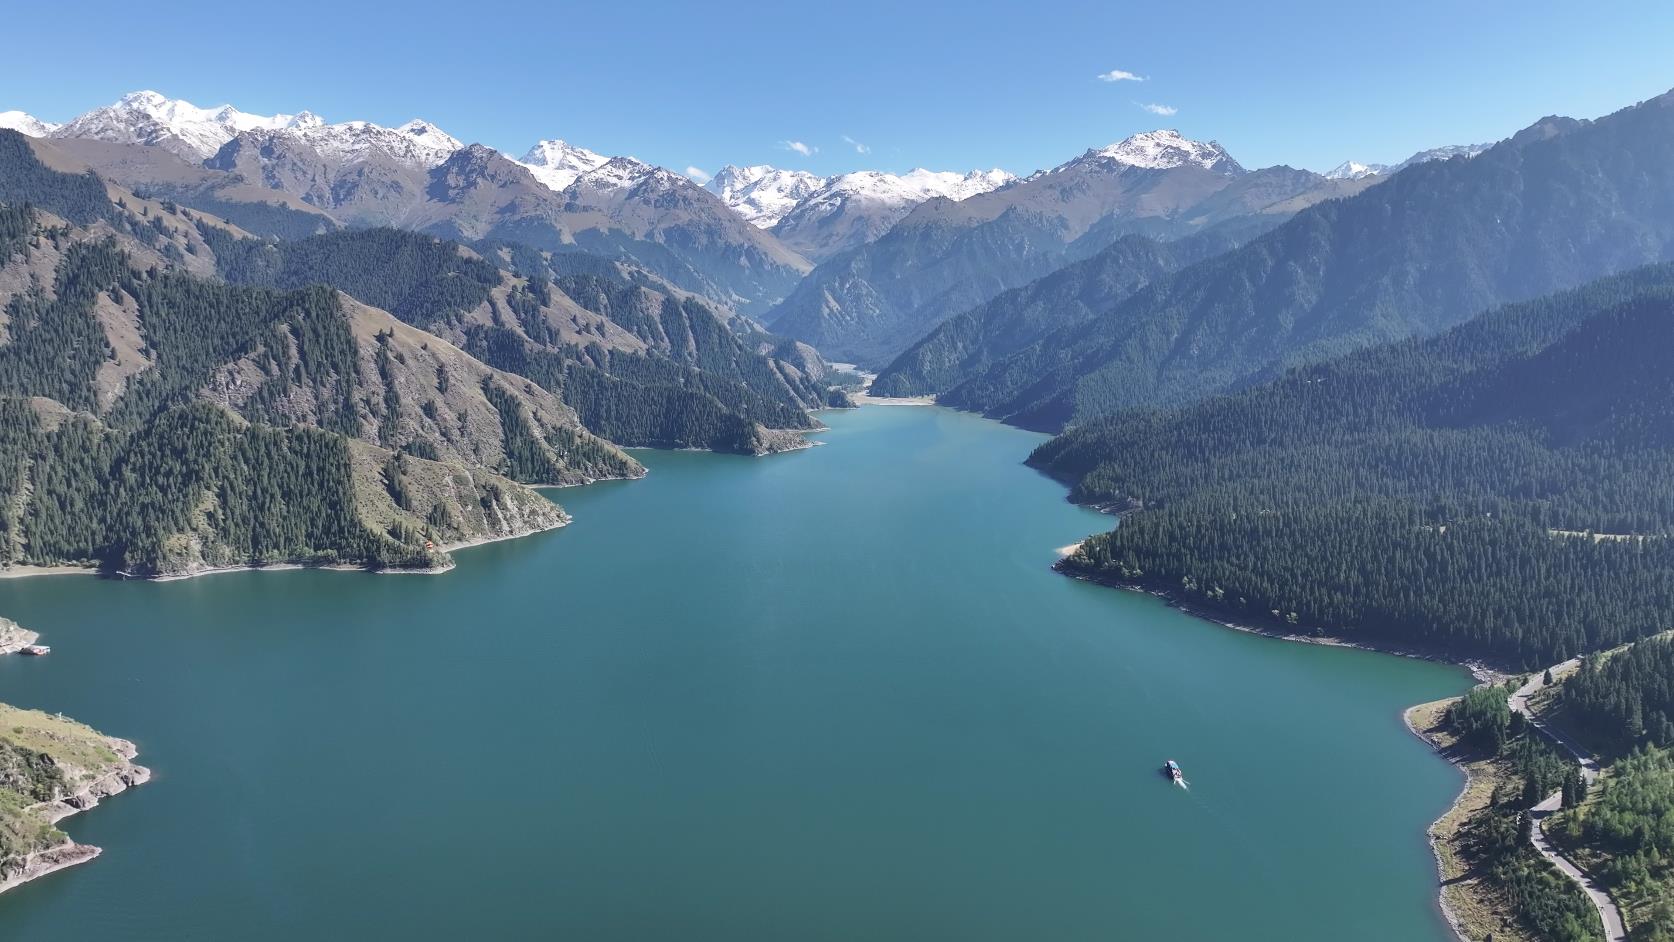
(417, 144)
(1354, 170)
(557, 163)
(1445, 152)
(763, 194)
(26, 123)
(1162, 150)
(148, 117)
(915, 186)
(429, 136)
(622, 172)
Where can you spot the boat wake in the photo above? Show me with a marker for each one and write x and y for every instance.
(1171, 769)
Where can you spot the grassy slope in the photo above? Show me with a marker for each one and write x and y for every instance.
(42, 758)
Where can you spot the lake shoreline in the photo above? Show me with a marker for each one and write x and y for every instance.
(576, 582)
(1479, 671)
(69, 853)
(1432, 834)
(28, 572)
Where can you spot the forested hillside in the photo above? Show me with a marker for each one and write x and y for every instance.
(966, 345)
(1502, 490)
(1493, 878)
(158, 421)
(1621, 830)
(641, 366)
(1560, 203)
(1627, 701)
(869, 304)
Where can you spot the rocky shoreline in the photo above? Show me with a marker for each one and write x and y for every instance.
(14, 637)
(68, 853)
(9, 646)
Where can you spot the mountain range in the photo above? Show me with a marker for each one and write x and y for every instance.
(821, 217)
(1134, 273)
(745, 241)
(944, 257)
(1560, 202)
(395, 389)
(293, 174)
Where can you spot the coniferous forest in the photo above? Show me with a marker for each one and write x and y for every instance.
(696, 385)
(1502, 490)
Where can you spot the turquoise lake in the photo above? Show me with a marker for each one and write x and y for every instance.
(830, 695)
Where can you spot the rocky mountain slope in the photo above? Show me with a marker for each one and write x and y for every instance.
(852, 209)
(944, 257)
(821, 216)
(1560, 202)
(293, 175)
(762, 194)
(160, 421)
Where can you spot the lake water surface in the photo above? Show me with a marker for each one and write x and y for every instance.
(836, 694)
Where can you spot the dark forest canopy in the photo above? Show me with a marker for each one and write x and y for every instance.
(1444, 492)
(1625, 702)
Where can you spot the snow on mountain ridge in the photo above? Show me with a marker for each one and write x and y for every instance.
(557, 163)
(25, 123)
(622, 172)
(148, 117)
(429, 136)
(1162, 149)
(1445, 152)
(913, 187)
(416, 144)
(763, 194)
(1353, 170)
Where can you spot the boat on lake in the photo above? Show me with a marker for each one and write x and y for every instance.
(1172, 770)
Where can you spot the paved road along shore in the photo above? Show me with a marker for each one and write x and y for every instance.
(1608, 913)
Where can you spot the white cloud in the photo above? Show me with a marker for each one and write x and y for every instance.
(1120, 75)
(1164, 110)
(698, 174)
(859, 148)
(805, 150)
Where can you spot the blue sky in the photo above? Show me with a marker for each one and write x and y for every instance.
(943, 85)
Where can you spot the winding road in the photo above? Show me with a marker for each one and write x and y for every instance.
(1608, 913)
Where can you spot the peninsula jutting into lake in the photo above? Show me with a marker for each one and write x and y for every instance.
(801, 473)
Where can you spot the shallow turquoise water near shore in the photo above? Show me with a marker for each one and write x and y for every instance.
(835, 694)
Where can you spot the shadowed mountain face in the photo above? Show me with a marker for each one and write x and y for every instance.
(945, 257)
(1561, 202)
(966, 345)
